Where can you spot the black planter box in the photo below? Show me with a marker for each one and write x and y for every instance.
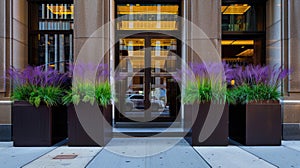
(40, 126)
(219, 136)
(101, 130)
(255, 123)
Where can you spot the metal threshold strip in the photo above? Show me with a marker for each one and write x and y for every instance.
(5, 102)
(289, 101)
(147, 124)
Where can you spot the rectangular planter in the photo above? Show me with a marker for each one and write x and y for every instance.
(40, 126)
(219, 136)
(255, 123)
(100, 130)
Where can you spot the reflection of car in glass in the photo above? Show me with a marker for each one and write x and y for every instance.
(136, 101)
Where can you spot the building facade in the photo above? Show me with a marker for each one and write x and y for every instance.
(53, 32)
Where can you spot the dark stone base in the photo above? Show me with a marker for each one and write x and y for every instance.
(5, 132)
(291, 131)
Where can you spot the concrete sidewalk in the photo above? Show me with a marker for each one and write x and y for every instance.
(150, 153)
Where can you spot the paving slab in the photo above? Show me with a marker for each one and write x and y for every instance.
(144, 153)
(13, 157)
(151, 152)
(231, 156)
(292, 144)
(70, 157)
(280, 156)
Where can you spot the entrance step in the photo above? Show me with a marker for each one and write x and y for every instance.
(146, 132)
(147, 125)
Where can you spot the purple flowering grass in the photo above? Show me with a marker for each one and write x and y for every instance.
(257, 74)
(205, 71)
(250, 74)
(82, 69)
(37, 76)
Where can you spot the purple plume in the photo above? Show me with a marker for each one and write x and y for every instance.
(37, 76)
(257, 74)
(101, 71)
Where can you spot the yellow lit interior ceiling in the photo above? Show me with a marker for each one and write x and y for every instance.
(236, 9)
(237, 42)
(246, 53)
(141, 42)
(146, 17)
(223, 8)
(162, 42)
(145, 9)
(148, 25)
(227, 42)
(61, 9)
(133, 42)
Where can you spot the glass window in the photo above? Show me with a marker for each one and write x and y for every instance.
(243, 32)
(55, 16)
(51, 34)
(242, 52)
(147, 16)
(242, 17)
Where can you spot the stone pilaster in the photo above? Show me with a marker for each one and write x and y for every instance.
(4, 43)
(13, 52)
(283, 49)
(294, 44)
(206, 15)
(89, 17)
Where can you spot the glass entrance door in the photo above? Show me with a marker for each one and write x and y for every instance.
(146, 89)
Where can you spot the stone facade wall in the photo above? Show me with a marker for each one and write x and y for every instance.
(291, 120)
(13, 52)
(13, 39)
(88, 18)
(207, 16)
(283, 48)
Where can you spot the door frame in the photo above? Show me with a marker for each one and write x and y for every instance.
(119, 117)
(119, 34)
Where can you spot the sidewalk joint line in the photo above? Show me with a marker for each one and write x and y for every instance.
(200, 155)
(55, 146)
(89, 162)
(260, 158)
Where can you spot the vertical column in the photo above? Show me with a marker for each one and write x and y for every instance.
(294, 44)
(273, 29)
(20, 33)
(291, 58)
(283, 50)
(206, 15)
(5, 57)
(89, 17)
(3, 42)
(13, 52)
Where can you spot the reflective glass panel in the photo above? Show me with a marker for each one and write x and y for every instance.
(51, 35)
(147, 17)
(242, 17)
(133, 56)
(242, 52)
